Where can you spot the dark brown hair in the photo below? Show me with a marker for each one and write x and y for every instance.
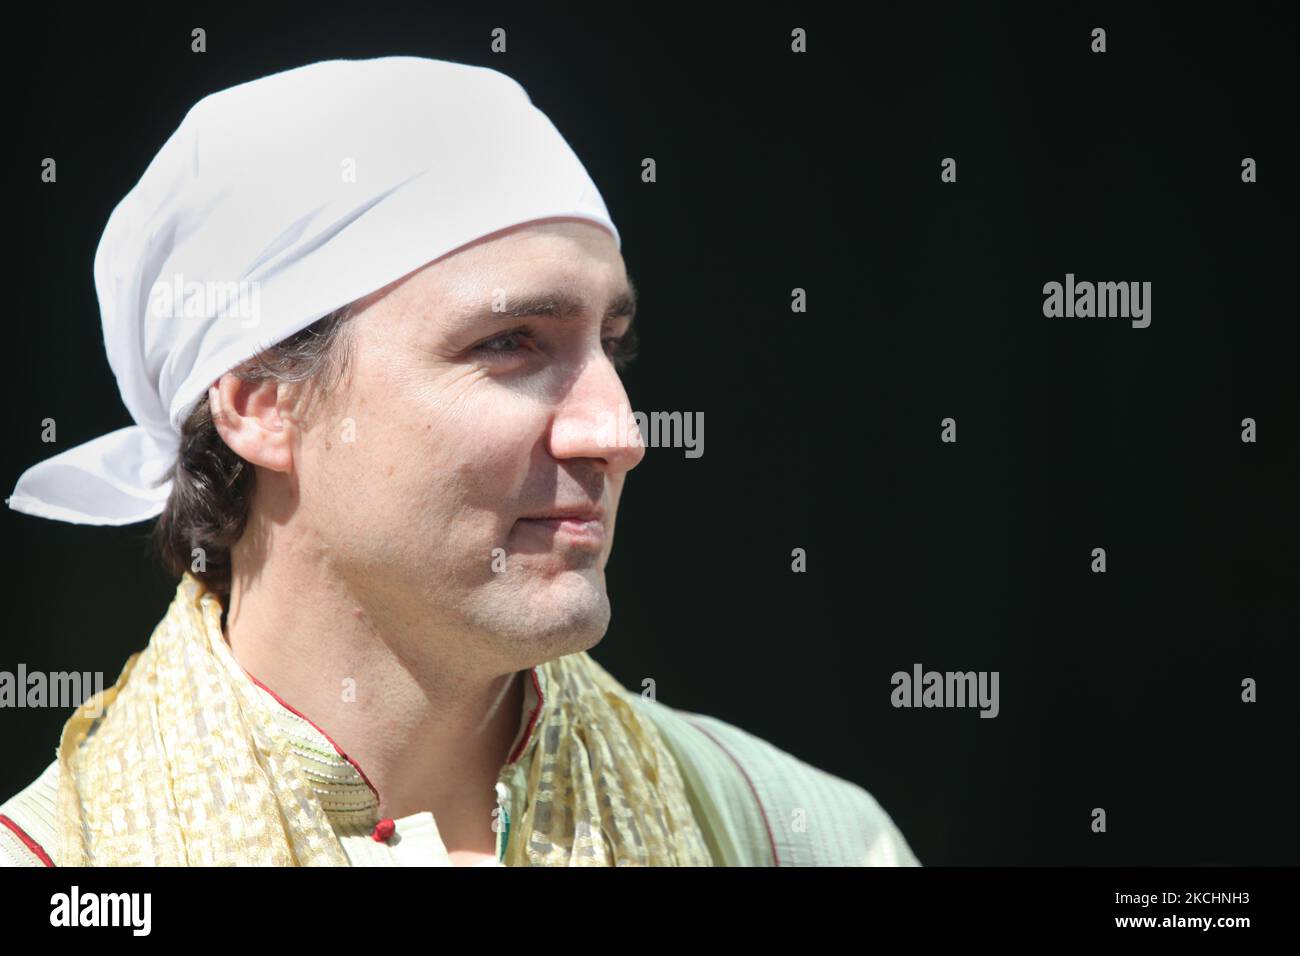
(212, 487)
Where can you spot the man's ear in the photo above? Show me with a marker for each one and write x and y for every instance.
(247, 416)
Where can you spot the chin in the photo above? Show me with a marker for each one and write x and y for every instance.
(568, 613)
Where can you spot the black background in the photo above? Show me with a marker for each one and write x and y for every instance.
(821, 171)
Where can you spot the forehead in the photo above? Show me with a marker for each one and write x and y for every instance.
(576, 263)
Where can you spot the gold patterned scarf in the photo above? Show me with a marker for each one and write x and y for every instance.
(180, 763)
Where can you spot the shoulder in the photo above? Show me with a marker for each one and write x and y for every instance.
(27, 822)
(762, 806)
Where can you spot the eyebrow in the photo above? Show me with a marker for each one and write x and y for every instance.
(559, 304)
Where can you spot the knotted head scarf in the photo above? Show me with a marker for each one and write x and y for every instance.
(275, 203)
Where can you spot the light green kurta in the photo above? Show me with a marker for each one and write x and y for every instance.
(760, 806)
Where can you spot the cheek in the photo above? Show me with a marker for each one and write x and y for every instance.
(455, 450)
(484, 443)
(474, 451)
(343, 461)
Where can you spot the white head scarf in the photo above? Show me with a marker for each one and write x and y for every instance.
(274, 203)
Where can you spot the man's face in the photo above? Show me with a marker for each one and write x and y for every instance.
(434, 482)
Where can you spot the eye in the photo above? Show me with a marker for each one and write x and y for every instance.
(504, 344)
(621, 349)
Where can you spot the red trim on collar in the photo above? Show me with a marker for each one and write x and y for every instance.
(532, 718)
(299, 713)
(27, 841)
(528, 732)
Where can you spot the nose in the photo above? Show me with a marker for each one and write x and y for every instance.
(594, 420)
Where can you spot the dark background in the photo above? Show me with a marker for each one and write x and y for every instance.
(821, 171)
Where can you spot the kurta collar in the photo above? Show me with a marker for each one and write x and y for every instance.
(346, 794)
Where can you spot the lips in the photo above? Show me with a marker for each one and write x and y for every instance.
(569, 525)
(577, 513)
(580, 526)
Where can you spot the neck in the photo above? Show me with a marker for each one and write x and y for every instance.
(431, 728)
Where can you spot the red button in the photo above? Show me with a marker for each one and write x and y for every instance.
(383, 830)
